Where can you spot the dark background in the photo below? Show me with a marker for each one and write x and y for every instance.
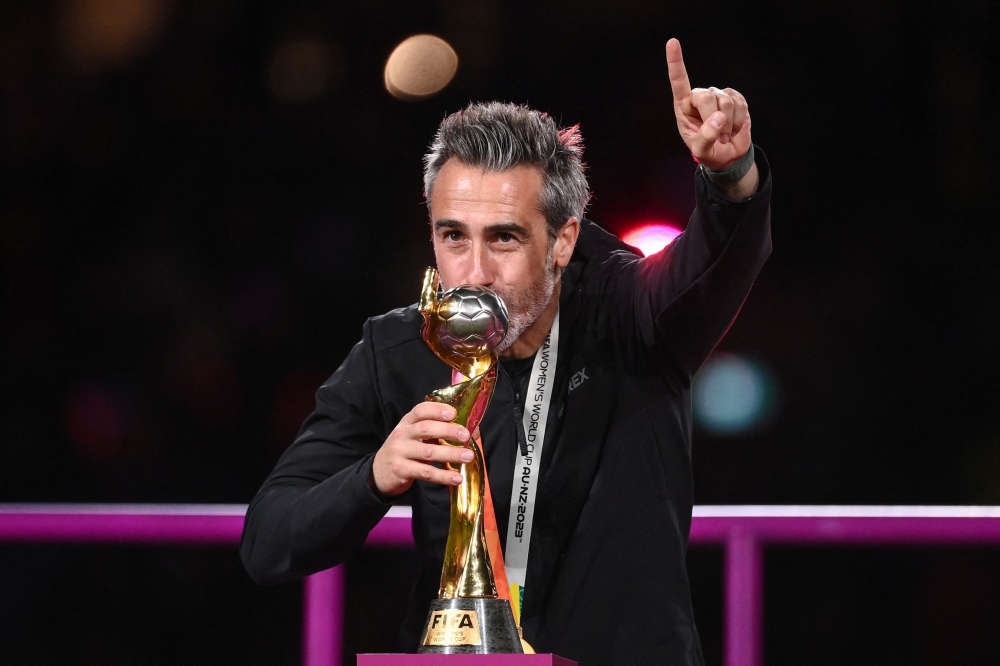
(201, 202)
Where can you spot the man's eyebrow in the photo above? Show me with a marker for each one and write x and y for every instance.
(450, 224)
(510, 228)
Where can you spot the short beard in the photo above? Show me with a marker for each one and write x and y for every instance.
(524, 308)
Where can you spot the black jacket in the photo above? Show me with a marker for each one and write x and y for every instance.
(606, 580)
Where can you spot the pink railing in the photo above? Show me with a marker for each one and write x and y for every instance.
(742, 531)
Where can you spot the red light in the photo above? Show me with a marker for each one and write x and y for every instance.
(651, 238)
(97, 420)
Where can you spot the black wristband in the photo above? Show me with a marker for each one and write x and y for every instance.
(732, 173)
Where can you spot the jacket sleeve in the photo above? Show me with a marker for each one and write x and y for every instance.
(687, 297)
(316, 508)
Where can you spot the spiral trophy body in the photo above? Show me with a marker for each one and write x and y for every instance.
(463, 327)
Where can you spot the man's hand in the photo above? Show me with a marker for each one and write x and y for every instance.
(714, 124)
(407, 454)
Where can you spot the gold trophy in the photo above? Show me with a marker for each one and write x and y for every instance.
(462, 327)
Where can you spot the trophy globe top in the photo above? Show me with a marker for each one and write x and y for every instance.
(473, 321)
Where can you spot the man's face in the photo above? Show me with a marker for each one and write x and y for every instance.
(488, 230)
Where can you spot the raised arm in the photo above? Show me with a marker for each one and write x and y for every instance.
(686, 297)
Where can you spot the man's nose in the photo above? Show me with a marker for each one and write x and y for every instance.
(481, 271)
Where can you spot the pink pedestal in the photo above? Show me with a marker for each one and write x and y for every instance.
(463, 660)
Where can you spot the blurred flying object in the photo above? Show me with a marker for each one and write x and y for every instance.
(419, 67)
(303, 69)
(109, 32)
(651, 238)
(732, 395)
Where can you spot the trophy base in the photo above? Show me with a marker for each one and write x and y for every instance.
(470, 626)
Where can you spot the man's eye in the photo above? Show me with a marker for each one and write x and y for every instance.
(505, 238)
(454, 236)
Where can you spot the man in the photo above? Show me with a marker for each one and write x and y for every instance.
(606, 581)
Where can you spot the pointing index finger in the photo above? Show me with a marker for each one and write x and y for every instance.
(679, 82)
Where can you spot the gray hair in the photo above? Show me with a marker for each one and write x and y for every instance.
(495, 136)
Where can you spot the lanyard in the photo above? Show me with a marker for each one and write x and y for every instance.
(526, 467)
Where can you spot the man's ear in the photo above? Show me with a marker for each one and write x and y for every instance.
(562, 248)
